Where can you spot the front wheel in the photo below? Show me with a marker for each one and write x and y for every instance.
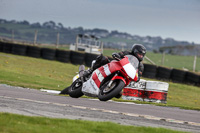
(107, 93)
(75, 90)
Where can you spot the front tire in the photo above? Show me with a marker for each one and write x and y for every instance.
(107, 93)
(75, 89)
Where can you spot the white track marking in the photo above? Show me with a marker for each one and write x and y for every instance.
(108, 111)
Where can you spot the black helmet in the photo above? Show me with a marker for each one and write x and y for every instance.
(139, 51)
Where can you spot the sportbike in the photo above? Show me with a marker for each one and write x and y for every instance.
(106, 81)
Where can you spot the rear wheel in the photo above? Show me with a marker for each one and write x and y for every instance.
(108, 92)
(65, 91)
(75, 89)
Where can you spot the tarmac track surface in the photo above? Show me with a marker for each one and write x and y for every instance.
(36, 103)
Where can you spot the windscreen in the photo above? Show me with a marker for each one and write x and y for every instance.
(133, 60)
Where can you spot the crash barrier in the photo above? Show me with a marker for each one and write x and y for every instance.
(150, 91)
(150, 71)
(33, 51)
(163, 73)
(77, 57)
(19, 49)
(171, 74)
(7, 48)
(89, 58)
(62, 55)
(49, 54)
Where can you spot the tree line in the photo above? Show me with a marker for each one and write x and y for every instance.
(47, 33)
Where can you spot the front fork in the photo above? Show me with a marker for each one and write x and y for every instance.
(116, 77)
(111, 81)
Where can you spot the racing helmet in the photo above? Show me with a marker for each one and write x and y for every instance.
(139, 51)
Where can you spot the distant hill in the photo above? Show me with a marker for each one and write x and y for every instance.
(47, 33)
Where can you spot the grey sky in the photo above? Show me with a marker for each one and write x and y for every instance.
(179, 19)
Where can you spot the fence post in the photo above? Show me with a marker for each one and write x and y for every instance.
(13, 35)
(163, 58)
(194, 64)
(35, 37)
(101, 47)
(57, 41)
(150, 60)
(76, 44)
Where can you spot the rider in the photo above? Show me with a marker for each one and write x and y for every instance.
(138, 50)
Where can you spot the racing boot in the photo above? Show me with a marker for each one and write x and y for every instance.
(95, 66)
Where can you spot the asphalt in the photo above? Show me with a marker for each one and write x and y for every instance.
(33, 102)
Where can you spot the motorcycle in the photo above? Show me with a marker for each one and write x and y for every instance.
(106, 81)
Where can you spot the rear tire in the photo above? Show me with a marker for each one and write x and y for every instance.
(75, 90)
(113, 91)
(65, 91)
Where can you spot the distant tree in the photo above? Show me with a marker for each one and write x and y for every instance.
(50, 25)
(114, 32)
(36, 25)
(24, 22)
(3, 21)
(12, 21)
(60, 26)
(100, 30)
(79, 29)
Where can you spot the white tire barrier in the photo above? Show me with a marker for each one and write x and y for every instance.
(151, 91)
(156, 91)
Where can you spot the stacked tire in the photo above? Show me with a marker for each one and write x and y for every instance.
(77, 58)
(192, 78)
(49, 54)
(7, 47)
(1, 46)
(163, 73)
(19, 49)
(149, 71)
(34, 51)
(89, 58)
(63, 56)
(178, 75)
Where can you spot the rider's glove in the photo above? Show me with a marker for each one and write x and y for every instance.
(116, 56)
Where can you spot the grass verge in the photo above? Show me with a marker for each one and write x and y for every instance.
(12, 123)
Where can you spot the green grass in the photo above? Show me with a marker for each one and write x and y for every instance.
(116, 40)
(11, 123)
(175, 61)
(35, 73)
(184, 96)
(39, 73)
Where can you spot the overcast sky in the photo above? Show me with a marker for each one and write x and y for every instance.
(178, 19)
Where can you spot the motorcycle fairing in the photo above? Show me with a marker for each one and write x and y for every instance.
(90, 88)
(130, 65)
(93, 84)
(130, 70)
